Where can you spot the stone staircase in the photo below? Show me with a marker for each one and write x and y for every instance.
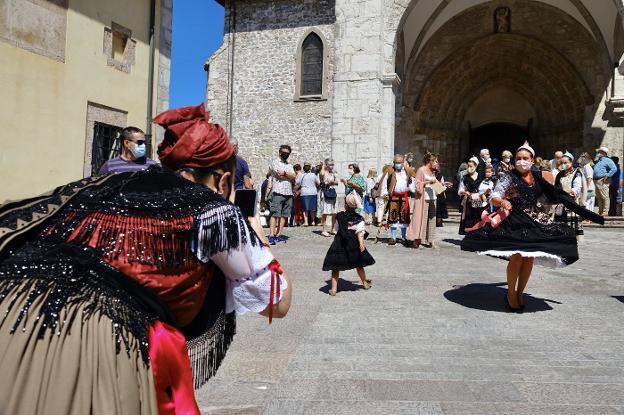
(611, 222)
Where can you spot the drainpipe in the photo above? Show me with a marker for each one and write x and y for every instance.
(150, 76)
(232, 44)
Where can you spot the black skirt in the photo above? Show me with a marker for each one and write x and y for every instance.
(551, 244)
(470, 218)
(344, 252)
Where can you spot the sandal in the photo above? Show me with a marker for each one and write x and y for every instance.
(325, 234)
(332, 293)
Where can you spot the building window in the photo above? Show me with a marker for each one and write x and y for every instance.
(311, 68)
(106, 145)
(312, 65)
(119, 47)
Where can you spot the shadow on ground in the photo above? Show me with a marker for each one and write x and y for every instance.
(620, 298)
(491, 297)
(343, 285)
(456, 242)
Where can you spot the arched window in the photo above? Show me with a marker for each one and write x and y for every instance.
(311, 66)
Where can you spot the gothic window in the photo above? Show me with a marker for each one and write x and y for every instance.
(311, 66)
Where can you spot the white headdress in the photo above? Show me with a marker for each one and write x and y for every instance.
(526, 147)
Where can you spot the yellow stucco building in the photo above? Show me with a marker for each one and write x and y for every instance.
(72, 73)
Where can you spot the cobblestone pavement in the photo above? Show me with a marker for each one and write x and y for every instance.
(432, 337)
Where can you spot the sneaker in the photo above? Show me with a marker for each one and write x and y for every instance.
(281, 238)
(271, 240)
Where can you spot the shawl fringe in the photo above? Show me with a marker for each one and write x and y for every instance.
(207, 351)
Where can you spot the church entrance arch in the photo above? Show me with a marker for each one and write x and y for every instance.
(495, 74)
(497, 137)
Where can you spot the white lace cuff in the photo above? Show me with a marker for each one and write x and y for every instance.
(251, 293)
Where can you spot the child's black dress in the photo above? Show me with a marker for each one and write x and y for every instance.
(344, 253)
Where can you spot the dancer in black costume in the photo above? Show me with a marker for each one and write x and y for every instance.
(348, 250)
(469, 192)
(528, 233)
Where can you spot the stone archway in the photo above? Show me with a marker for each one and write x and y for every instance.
(556, 69)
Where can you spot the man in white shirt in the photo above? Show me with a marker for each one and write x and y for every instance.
(397, 188)
(282, 176)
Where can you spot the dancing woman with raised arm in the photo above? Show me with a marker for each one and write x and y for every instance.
(527, 232)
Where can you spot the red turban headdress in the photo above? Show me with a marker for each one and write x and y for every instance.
(192, 141)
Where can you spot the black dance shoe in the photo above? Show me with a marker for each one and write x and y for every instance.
(510, 308)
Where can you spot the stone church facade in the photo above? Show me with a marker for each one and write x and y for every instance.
(358, 80)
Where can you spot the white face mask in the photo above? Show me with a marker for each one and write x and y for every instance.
(564, 167)
(523, 166)
(506, 160)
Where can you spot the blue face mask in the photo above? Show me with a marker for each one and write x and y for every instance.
(139, 150)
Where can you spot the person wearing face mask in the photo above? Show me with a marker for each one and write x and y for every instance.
(570, 180)
(422, 227)
(282, 178)
(505, 165)
(133, 153)
(468, 191)
(604, 169)
(396, 186)
(127, 289)
(484, 160)
(523, 230)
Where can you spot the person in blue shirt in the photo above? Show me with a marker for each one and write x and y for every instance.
(242, 177)
(604, 169)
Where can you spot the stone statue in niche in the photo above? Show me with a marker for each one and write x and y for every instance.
(502, 20)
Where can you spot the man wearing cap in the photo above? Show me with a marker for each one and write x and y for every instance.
(604, 169)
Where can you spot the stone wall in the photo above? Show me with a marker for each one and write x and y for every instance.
(38, 26)
(164, 66)
(262, 37)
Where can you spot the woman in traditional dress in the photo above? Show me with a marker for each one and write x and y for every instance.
(505, 165)
(117, 291)
(468, 191)
(570, 179)
(355, 183)
(528, 232)
(348, 250)
(422, 227)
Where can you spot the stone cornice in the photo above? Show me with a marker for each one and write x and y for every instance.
(391, 80)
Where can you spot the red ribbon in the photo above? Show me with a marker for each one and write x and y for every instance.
(276, 273)
(493, 219)
(171, 367)
(405, 196)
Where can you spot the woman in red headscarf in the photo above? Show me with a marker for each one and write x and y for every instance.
(118, 293)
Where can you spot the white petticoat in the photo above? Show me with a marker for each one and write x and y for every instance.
(541, 258)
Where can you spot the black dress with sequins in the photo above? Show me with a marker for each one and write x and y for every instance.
(529, 230)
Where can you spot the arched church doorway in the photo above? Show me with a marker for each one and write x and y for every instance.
(493, 73)
(498, 137)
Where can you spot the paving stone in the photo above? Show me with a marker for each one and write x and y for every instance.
(408, 347)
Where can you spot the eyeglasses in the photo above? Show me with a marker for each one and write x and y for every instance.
(140, 142)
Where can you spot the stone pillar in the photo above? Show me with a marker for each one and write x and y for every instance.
(363, 107)
(385, 150)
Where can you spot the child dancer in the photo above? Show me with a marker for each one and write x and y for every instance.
(348, 250)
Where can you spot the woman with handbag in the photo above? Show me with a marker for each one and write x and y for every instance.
(522, 230)
(329, 195)
(469, 192)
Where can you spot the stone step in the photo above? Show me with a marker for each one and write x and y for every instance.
(611, 222)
